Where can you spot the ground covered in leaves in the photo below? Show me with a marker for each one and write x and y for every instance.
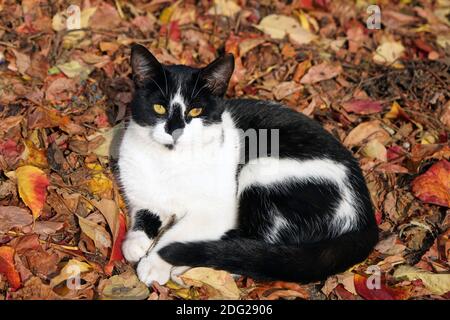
(64, 90)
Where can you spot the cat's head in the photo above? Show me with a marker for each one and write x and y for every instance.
(175, 102)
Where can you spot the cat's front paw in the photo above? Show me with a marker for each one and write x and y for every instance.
(135, 245)
(153, 268)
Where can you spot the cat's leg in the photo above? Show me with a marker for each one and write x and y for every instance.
(144, 228)
(190, 228)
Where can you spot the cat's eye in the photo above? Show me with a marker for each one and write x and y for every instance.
(195, 112)
(159, 109)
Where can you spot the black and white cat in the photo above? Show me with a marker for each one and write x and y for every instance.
(297, 211)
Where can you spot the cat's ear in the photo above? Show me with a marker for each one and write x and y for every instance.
(144, 65)
(218, 73)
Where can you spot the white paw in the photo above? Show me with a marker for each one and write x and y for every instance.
(153, 268)
(175, 274)
(135, 245)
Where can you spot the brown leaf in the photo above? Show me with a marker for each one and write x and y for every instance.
(370, 130)
(14, 217)
(321, 72)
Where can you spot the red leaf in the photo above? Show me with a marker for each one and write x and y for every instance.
(383, 293)
(362, 106)
(433, 186)
(8, 268)
(116, 252)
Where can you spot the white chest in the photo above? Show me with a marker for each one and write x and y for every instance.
(186, 180)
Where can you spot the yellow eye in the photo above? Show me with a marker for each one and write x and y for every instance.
(159, 109)
(195, 112)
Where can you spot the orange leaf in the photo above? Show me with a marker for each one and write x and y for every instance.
(434, 185)
(8, 268)
(32, 183)
(116, 252)
(381, 293)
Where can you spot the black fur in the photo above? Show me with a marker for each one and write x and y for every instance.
(264, 261)
(148, 222)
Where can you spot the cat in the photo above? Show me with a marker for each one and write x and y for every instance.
(297, 209)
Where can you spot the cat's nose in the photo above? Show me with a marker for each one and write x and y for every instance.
(176, 134)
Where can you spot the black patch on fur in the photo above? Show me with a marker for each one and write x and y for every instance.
(147, 221)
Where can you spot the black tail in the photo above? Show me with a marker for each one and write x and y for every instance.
(265, 261)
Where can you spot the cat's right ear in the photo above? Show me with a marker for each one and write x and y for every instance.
(144, 65)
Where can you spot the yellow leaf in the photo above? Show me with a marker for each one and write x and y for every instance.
(96, 232)
(394, 112)
(32, 183)
(436, 283)
(303, 20)
(376, 150)
(220, 284)
(99, 182)
(166, 14)
(72, 269)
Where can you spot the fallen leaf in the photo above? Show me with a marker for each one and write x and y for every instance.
(220, 283)
(434, 185)
(23, 61)
(96, 232)
(279, 26)
(71, 270)
(99, 183)
(125, 286)
(362, 284)
(362, 106)
(370, 130)
(228, 8)
(376, 150)
(388, 52)
(284, 89)
(321, 72)
(119, 237)
(8, 268)
(14, 217)
(35, 289)
(74, 69)
(32, 183)
(436, 283)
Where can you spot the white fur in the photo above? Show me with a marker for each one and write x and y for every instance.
(179, 99)
(136, 245)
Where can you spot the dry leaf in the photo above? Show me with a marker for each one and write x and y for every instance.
(370, 130)
(125, 286)
(436, 283)
(321, 72)
(14, 217)
(220, 283)
(71, 270)
(8, 268)
(32, 183)
(434, 185)
(278, 26)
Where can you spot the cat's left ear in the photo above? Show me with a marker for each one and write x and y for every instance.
(145, 66)
(218, 73)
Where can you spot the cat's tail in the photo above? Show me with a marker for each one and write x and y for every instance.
(262, 260)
